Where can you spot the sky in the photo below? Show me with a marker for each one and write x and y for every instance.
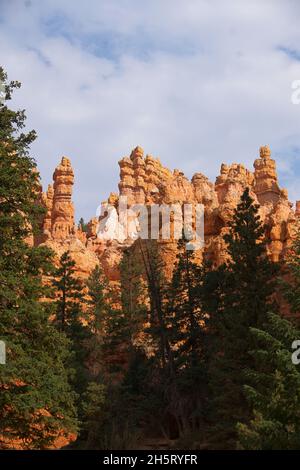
(194, 82)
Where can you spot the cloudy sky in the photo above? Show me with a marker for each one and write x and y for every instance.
(195, 82)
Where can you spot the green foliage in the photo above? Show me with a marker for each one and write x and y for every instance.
(133, 292)
(68, 290)
(184, 305)
(82, 225)
(70, 318)
(243, 289)
(186, 321)
(273, 389)
(106, 415)
(36, 401)
(291, 286)
(157, 288)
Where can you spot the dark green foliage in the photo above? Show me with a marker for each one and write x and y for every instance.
(243, 289)
(68, 290)
(184, 307)
(133, 291)
(157, 291)
(82, 225)
(97, 311)
(273, 389)
(111, 401)
(69, 318)
(186, 322)
(290, 285)
(36, 401)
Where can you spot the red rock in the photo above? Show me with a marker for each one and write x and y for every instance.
(144, 180)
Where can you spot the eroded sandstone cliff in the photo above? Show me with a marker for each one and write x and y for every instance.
(144, 180)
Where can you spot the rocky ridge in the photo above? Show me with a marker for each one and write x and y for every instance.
(145, 181)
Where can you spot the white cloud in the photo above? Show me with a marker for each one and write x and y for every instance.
(195, 82)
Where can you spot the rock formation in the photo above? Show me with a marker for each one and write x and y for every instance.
(145, 181)
(266, 185)
(47, 201)
(59, 231)
(63, 209)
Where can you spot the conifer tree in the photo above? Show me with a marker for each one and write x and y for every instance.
(69, 318)
(133, 291)
(273, 389)
(157, 289)
(112, 397)
(188, 338)
(97, 308)
(82, 225)
(36, 402)
(108, 324)
(69, 292)
(243, 289)
(290, 284)
(185, 308)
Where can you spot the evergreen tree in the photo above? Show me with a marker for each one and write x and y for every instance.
(112, 399)
(185, 308)
(70, 318)
(36, 402)
(133, 291)
(69, 292)
(157, 292)
(290, 284)
(97, 309)
(162, 397)
(82, 225)
(273, 389)
(243, 289)
(110, 333)
(188, 340)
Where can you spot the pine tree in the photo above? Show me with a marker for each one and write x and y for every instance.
(36, 402)
(185, 308)
(188, 340)
(273, 389)
(69, 292)
(112, 398)
(243, 288)
(109, 326)
(133, 291)
(97, 308)
(94, 396)
(82, 225)
(162, 394)
(290, 284)
(157, 292)
(70, 319)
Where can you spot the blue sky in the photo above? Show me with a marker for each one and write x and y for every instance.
(195, 82)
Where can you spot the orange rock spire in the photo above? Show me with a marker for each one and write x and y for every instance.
(63, 209)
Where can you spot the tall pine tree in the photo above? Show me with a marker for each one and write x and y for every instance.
(243, 288)
(273, 389)
(70, 319)
(36, 402)
(187, 333)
